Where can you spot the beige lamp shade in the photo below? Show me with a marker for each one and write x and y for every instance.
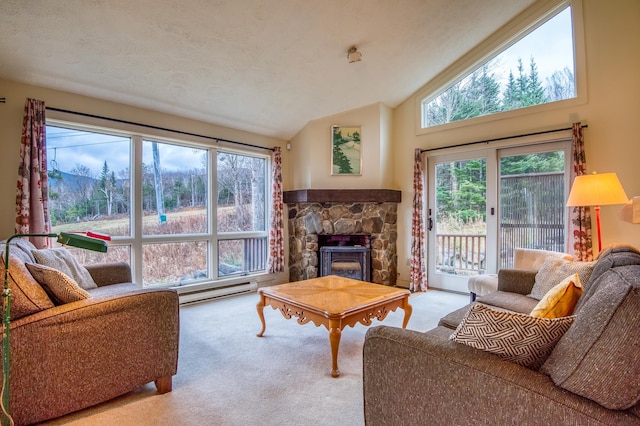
(597, 190)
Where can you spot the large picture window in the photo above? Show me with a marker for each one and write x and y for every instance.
(178, 212)
(537, 69)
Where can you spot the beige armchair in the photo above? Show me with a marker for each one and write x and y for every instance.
(480, 285)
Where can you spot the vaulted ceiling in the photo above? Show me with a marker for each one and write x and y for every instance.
(265, 66)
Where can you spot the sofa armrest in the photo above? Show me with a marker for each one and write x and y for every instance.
(413, 378)
(110, 273)
(516, 280)
(100, 348)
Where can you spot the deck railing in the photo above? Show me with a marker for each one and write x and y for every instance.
(461, 253)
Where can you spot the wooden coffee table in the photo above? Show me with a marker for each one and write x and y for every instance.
(335, 302)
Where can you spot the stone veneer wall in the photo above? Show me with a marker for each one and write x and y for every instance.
(307, 220)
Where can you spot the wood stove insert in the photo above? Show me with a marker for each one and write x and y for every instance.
(347, 256)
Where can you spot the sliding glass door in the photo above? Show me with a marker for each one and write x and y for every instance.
(482, 205)
(533, 192)
(459, 220)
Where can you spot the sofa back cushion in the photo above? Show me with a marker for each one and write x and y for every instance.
(534, 258)
(598, 356)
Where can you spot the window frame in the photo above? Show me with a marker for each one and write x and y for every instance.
(505, 37)
(136, 240)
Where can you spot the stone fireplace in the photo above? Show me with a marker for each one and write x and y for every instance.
(342, 212)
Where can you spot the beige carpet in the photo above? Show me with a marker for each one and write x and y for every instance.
(228, 376)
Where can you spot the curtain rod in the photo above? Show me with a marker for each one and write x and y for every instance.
(501, 139)
(117, 120)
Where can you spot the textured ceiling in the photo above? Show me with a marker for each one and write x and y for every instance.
(265, 66)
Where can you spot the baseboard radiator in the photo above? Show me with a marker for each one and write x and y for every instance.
(210, 294)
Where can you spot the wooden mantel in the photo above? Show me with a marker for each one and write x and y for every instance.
(342, 196)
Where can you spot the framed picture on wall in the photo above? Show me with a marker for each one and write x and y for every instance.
(346, 154)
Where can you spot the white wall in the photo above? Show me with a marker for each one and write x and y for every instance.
(311, 151)
(612, 142)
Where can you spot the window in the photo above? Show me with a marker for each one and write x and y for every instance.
(178, 212)
(538, 69)
(241, 211)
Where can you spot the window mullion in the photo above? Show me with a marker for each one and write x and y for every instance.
(213, 213)
(136, 210)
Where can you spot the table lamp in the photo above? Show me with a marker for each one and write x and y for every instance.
(597, 190)
(95, 242)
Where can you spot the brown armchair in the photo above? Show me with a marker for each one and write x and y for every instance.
(72, 356)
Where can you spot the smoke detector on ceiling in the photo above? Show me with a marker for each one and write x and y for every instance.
(354, 55)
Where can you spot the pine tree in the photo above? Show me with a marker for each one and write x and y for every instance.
(535, 91)
(511, 97)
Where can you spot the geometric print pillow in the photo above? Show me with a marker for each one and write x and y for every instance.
(62, 288)
(513, 336)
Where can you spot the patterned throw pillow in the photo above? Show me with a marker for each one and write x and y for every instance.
(59, 285)
(554, 270)
(561, 300)
(61, 259)
(27, 295)
(516, 337)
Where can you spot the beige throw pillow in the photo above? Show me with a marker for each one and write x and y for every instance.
(554, 270)
(62, 288)
(61, 259)
(516, 337)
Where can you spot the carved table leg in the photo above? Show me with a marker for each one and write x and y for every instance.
(260, 308)
(334, 337)
(408, 309)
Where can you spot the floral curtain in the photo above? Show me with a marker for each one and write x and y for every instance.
(418, 277)
(579, 235)
(32, 209)
(276, 234)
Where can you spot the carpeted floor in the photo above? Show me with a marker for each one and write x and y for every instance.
(228, 376)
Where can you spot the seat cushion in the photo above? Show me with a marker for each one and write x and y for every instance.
(511, 301)
(120, 288)
(598, 356)
(453, 319)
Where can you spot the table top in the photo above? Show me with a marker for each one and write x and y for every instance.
(333, 294)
